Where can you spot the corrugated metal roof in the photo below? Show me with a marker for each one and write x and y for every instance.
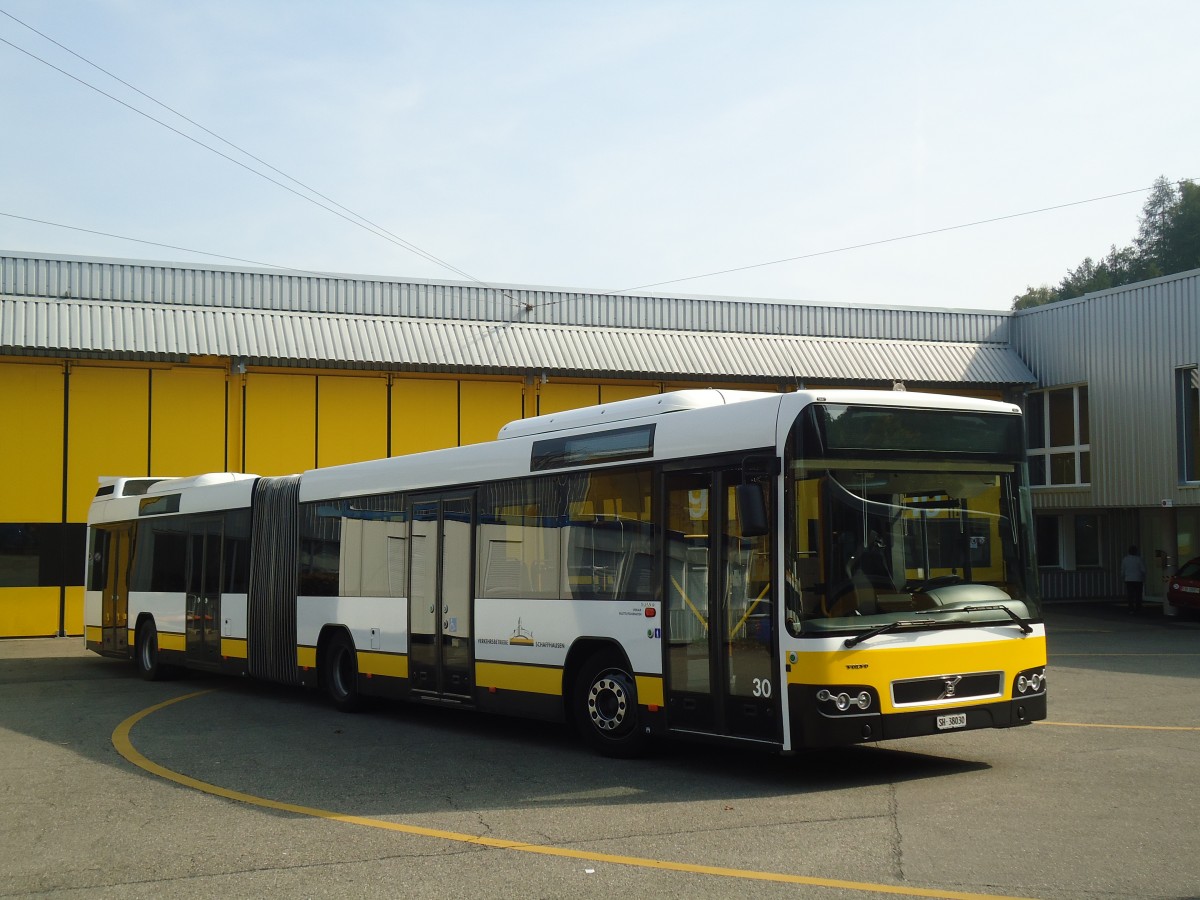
(131, 330)
(180, 284)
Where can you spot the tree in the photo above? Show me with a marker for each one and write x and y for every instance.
(1153, 225)
(1168, 241)
(1035, 296)
(1181, 238)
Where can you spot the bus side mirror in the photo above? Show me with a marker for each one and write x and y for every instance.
(752, 511)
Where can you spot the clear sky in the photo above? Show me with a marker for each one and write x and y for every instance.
(607, 145)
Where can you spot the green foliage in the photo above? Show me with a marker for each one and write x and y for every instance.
(1035, 296)
(1168, 241)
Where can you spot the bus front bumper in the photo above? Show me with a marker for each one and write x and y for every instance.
(812, 727)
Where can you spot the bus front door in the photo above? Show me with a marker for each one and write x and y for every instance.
(203, 612)
(720, 666)
(116, 548)
(440, 567)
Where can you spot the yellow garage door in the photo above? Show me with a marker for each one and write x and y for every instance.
(351, 419)
(556, 396)
(485, 407)
(31, 410)
(424, 415)
(187, 421)
(281, 423)
(108, 432)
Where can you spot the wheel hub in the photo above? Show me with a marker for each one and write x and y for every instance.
(608, 704)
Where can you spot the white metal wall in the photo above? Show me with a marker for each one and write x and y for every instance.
(1125, 344)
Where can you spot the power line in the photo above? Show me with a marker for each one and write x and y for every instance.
(123, 237)
(891, 240)
(379, 231)
(334, 207)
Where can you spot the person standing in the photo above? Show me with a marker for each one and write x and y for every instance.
(1133, 570)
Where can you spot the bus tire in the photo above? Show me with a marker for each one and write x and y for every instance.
(606, 707)
(146, 656)
(339, 673)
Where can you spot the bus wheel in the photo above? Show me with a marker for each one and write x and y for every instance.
(146, 653)
(339, 674)
(606, 707)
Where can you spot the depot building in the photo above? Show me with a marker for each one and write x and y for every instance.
(124, 367)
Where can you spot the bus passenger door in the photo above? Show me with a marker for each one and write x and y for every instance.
(721, 663)
(117, 552)
(203, 613)
(440, 569)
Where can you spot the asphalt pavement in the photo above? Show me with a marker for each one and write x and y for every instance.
(246, 790)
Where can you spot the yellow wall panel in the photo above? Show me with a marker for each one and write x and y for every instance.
(187, 421)
(351, 419)
(611, 393)
(555, 396)
(486, 406)
(281, 423)
(28, 612)
(31, 414)
(108, 431)
(73, 617)
(424, 415)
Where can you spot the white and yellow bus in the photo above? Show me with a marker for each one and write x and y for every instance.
(786, 570)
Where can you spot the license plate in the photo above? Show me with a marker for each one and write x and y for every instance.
(955, 720)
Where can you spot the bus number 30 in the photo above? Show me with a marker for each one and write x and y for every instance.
(762, 687)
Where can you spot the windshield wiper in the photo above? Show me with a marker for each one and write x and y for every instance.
(882, 629)
(1021, 623)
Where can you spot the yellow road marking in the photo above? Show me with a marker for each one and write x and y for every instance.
(1054, 656)
(1131, 727)
(121, 741)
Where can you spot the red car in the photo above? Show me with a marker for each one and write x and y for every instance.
(1183, 588)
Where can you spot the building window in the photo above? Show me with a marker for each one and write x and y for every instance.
(1187, 419)
(1087, 541)
(1049, 546)
(1058, 437)
(37, 554)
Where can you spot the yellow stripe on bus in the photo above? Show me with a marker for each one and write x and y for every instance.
(516, 677)
(172, 641)
(649, 690)
(233, 648)
(93, 634)
(878, 667)
(392, 665)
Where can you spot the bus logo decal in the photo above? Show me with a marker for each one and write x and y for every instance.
(951, 685)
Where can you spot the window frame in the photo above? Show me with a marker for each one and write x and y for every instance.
(1187, 423)
(1045, 454)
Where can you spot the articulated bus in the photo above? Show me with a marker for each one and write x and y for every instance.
(790, 570)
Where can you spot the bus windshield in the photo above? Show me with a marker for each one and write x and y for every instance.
(937, 537)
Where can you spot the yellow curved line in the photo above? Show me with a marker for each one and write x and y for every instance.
(1130, 727)
(124, 746)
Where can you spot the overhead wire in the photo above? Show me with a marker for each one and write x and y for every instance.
(366, 224)
(334, 207)
(124, 237)
(881, 241)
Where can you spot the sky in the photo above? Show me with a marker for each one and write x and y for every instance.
(604, 146)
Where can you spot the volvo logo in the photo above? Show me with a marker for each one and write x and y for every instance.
(951, 686)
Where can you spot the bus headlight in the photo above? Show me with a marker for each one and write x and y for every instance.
(846, 699)
(1031, 681)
